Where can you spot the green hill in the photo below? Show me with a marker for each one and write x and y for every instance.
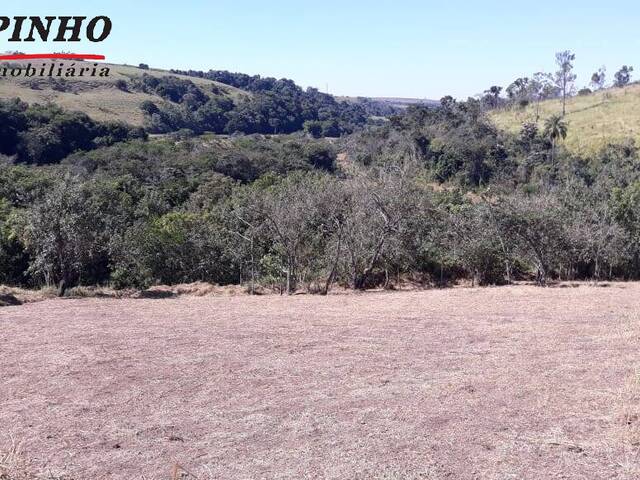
(594, 120)
(99, 97)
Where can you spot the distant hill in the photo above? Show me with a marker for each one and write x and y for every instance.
(394, 102)
(99, 97)
(399, 102)
(594, 120)
(212, 101)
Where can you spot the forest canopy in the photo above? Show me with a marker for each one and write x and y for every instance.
(310, 192)
(272, 107)
(433, 196)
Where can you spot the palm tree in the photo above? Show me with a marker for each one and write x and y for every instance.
(555, 128)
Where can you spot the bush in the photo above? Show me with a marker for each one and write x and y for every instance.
(13, 255)
(174, 248)
(122, 85)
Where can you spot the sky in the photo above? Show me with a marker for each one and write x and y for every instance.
(401, 48)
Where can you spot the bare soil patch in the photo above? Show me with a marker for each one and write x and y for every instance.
(497, 383)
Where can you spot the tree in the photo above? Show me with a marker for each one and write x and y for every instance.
(565, 77)
(492, 96)
(14, 260)
(536, 225)
(122, 85)
(555, 128)
(626, 209)
(382, 201)
(623, 76)
(519, 91)
(542, 88)
(528, 135)
(289, 209)
(12, 121)
(595, 237)
(313, 128)
(478, 244)
(599, 78)
(62, 236)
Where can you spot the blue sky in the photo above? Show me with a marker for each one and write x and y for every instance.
(424, 49)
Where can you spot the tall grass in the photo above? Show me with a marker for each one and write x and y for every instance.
(594, 120)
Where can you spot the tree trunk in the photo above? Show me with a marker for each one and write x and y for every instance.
(62, 287)
(288, 287)
(541, 276)
(252, 288)
(334, 267)
(361, 281)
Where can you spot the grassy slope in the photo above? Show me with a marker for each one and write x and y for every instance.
(594, 120)
(98, 97)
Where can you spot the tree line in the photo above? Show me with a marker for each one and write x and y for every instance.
(272, 107)
(47, 133)
(561, 84)
(434, 196)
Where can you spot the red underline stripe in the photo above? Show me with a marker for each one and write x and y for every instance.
(59, 56)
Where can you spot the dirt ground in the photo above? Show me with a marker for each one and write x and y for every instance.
(497, 383)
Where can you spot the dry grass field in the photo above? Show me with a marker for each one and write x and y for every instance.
(594, 120)
(498, 383)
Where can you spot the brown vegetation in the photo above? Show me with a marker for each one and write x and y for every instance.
(495, 383)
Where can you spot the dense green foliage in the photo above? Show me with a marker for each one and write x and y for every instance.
(47, 134)
(434, 195)
(273, 106)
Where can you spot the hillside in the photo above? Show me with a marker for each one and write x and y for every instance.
(195, 101)
(594, 120)
(99, 97)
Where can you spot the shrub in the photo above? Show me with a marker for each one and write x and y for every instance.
(122, 85)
